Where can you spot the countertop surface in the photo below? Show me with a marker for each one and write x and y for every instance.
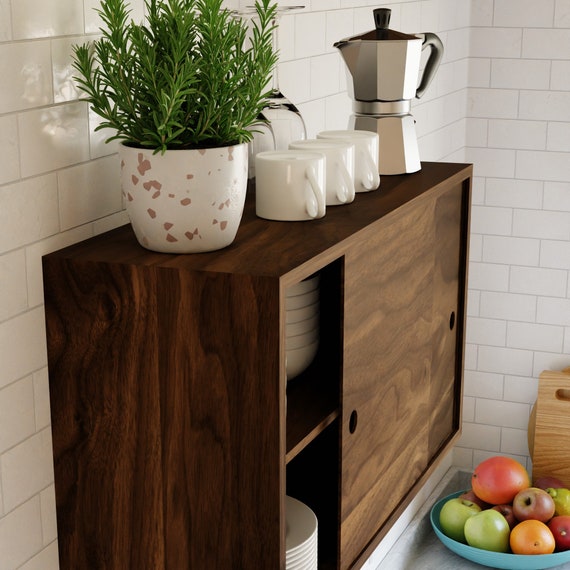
(418, 548)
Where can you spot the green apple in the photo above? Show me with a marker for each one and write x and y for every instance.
(488, 530)
(453, 515)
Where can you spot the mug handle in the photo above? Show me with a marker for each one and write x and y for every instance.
(318, 194)
(345, 193)
(372, 179)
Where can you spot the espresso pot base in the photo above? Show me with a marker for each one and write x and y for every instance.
(398, 151)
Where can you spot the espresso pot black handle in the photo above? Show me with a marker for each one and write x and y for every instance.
(434, 43)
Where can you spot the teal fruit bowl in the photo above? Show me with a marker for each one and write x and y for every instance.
(494, 559)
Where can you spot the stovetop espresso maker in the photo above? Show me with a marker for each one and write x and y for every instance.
(383, 67)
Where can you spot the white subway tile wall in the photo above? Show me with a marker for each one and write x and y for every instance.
(519, 142)
(501, 99)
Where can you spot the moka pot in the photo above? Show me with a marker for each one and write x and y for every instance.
(384, 67)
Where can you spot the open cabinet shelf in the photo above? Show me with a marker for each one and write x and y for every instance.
(313, 398)
(309, 413)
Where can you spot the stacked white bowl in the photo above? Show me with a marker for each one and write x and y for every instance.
(302, 325)
(301, 536)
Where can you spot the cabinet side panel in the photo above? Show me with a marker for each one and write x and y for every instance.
(388, 311)
(166, 417)
(102, 357)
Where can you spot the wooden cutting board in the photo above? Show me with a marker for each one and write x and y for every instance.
(549, 437)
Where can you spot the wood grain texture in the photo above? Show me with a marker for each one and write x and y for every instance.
(448, 316)
(386, 379)
(157, 406)
(552, 426)
(170, 414)
(403, 360)
(287, 250)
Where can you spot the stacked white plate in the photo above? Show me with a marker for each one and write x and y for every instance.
(301, 536)
(302, 325)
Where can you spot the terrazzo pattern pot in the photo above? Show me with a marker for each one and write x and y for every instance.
(184, 201)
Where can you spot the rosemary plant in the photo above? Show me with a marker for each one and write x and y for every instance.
(189, 77)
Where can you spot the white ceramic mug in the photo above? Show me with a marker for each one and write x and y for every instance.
(340, 167)
(366, 160)
(290, 185)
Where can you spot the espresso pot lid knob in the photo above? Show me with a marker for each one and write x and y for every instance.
(382, 18)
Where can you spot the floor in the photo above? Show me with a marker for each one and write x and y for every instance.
(418, 548)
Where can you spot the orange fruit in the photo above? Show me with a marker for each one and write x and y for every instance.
(532, 537)
(498, 479)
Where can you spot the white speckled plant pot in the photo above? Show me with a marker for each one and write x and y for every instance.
(184, 201)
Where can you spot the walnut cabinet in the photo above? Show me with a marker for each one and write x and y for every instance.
(176, 435)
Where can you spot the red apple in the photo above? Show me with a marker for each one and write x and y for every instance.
(546, 482)
(560, 528)
(507, 512)
(471, 496)
(533, 503)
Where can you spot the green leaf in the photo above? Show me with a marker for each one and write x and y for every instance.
(185, 77)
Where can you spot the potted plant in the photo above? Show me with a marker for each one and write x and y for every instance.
(182, 92)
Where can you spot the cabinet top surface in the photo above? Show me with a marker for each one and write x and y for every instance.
(270, 248)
